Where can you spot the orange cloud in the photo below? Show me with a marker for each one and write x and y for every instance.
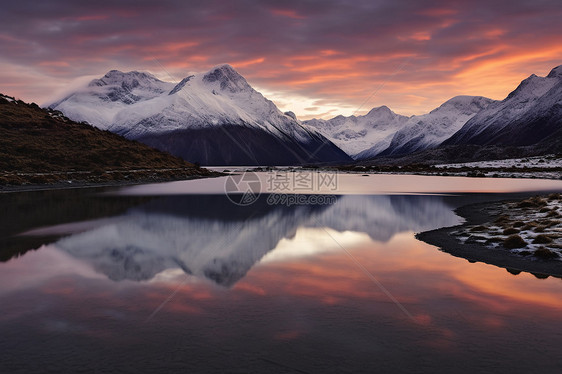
(438, 12)
(340, 55)
(290, 13)
(171, 47)
(54, 63)
(246, 63)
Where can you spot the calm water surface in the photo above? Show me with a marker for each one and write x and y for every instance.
(176, 278)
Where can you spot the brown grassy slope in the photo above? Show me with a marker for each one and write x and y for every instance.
(35, 140)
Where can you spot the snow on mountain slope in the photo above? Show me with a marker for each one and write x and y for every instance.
(217, 118)
(430, 130)
(355, 134)
(382, 131)
(219, 97)
(203, 118)
(102, 99)
(528, 115)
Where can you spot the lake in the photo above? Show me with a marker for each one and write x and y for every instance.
(183, 277)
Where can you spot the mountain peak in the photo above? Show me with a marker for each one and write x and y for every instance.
(129, 80)
(291, 114)
(465, 103)
(119, 74)
(116, 87)
(528, 115)
(222, 71)
(225, 68)
(227, 77)
(462, 99)
(379, 110)
(535, 86)
(556, 72)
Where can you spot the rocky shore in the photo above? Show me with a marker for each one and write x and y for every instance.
(524, 235)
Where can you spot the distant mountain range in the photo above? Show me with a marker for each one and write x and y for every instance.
(356, 134)
(383, 132)
(217, 118)
(531, 115)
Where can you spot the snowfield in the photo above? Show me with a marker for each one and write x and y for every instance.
(543, 162)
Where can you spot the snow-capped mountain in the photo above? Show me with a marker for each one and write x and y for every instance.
(383, 132)
(215, 118)
(103, 99)
(355, 134)
(528, 115)
(430, 130)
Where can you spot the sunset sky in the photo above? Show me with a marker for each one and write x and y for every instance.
(317, 58)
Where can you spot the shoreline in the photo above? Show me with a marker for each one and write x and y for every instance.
(482, 213)
(77, 184)
(445, 238)
(460, 172)
(472, 172)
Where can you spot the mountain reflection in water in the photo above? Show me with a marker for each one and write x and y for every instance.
(270, 289)
(209, 237)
